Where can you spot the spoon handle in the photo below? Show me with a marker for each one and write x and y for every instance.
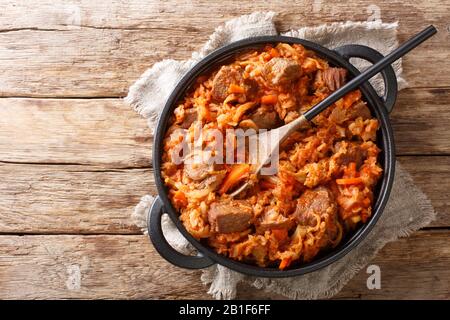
(371, 71)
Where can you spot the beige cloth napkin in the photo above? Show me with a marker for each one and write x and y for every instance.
(407, 210)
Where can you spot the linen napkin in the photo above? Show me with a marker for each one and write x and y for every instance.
(407, 210)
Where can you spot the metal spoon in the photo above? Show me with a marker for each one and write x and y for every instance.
(277, 136)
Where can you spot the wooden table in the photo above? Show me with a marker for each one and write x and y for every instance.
(74, 159)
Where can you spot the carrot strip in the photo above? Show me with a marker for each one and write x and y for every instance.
(274, 53)
(237, 173)
(350, 170)
(179, 198)
(285, 263)
(352, 167)
(366, 202)
(347, 181)
(234, 88)
(266, 184)
(266, 56)
(269, 99)
(280, 234)
(351, 98)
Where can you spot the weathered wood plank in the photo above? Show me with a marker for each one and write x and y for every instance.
(87, 131)
(91, 267)
(94, 49)
(148, 14)
(70, 199)
(432, 175)
(49, 267)
(106, 132)
(420, 121)
(85, 199)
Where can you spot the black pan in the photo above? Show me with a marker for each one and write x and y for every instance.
(379, 106)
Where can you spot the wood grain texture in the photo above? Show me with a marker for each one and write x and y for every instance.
(432, 176)
(105, 132)
(96, 49)
(85, 131)
(420, 121)
(93, 267)
(128, 267)
(70, 199)
(53, 199)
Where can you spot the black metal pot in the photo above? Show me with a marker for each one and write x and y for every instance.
(380, 107)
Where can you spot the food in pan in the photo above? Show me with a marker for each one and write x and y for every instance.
(327, 172)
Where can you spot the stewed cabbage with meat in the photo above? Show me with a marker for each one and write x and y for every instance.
(327, 172)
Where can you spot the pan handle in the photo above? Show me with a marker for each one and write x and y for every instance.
(164, 248)
(373, 56)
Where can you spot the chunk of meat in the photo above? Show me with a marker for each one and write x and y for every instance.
(228, 75)
(359, 109)
(251, 88)
(282, 70)
(197, 168)
(232, 216)
(341, 114)
(315, 201)
(334, 78)
(319, 203)
(346, 152)
(271, 219)
(265, 119)
(190, 115)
